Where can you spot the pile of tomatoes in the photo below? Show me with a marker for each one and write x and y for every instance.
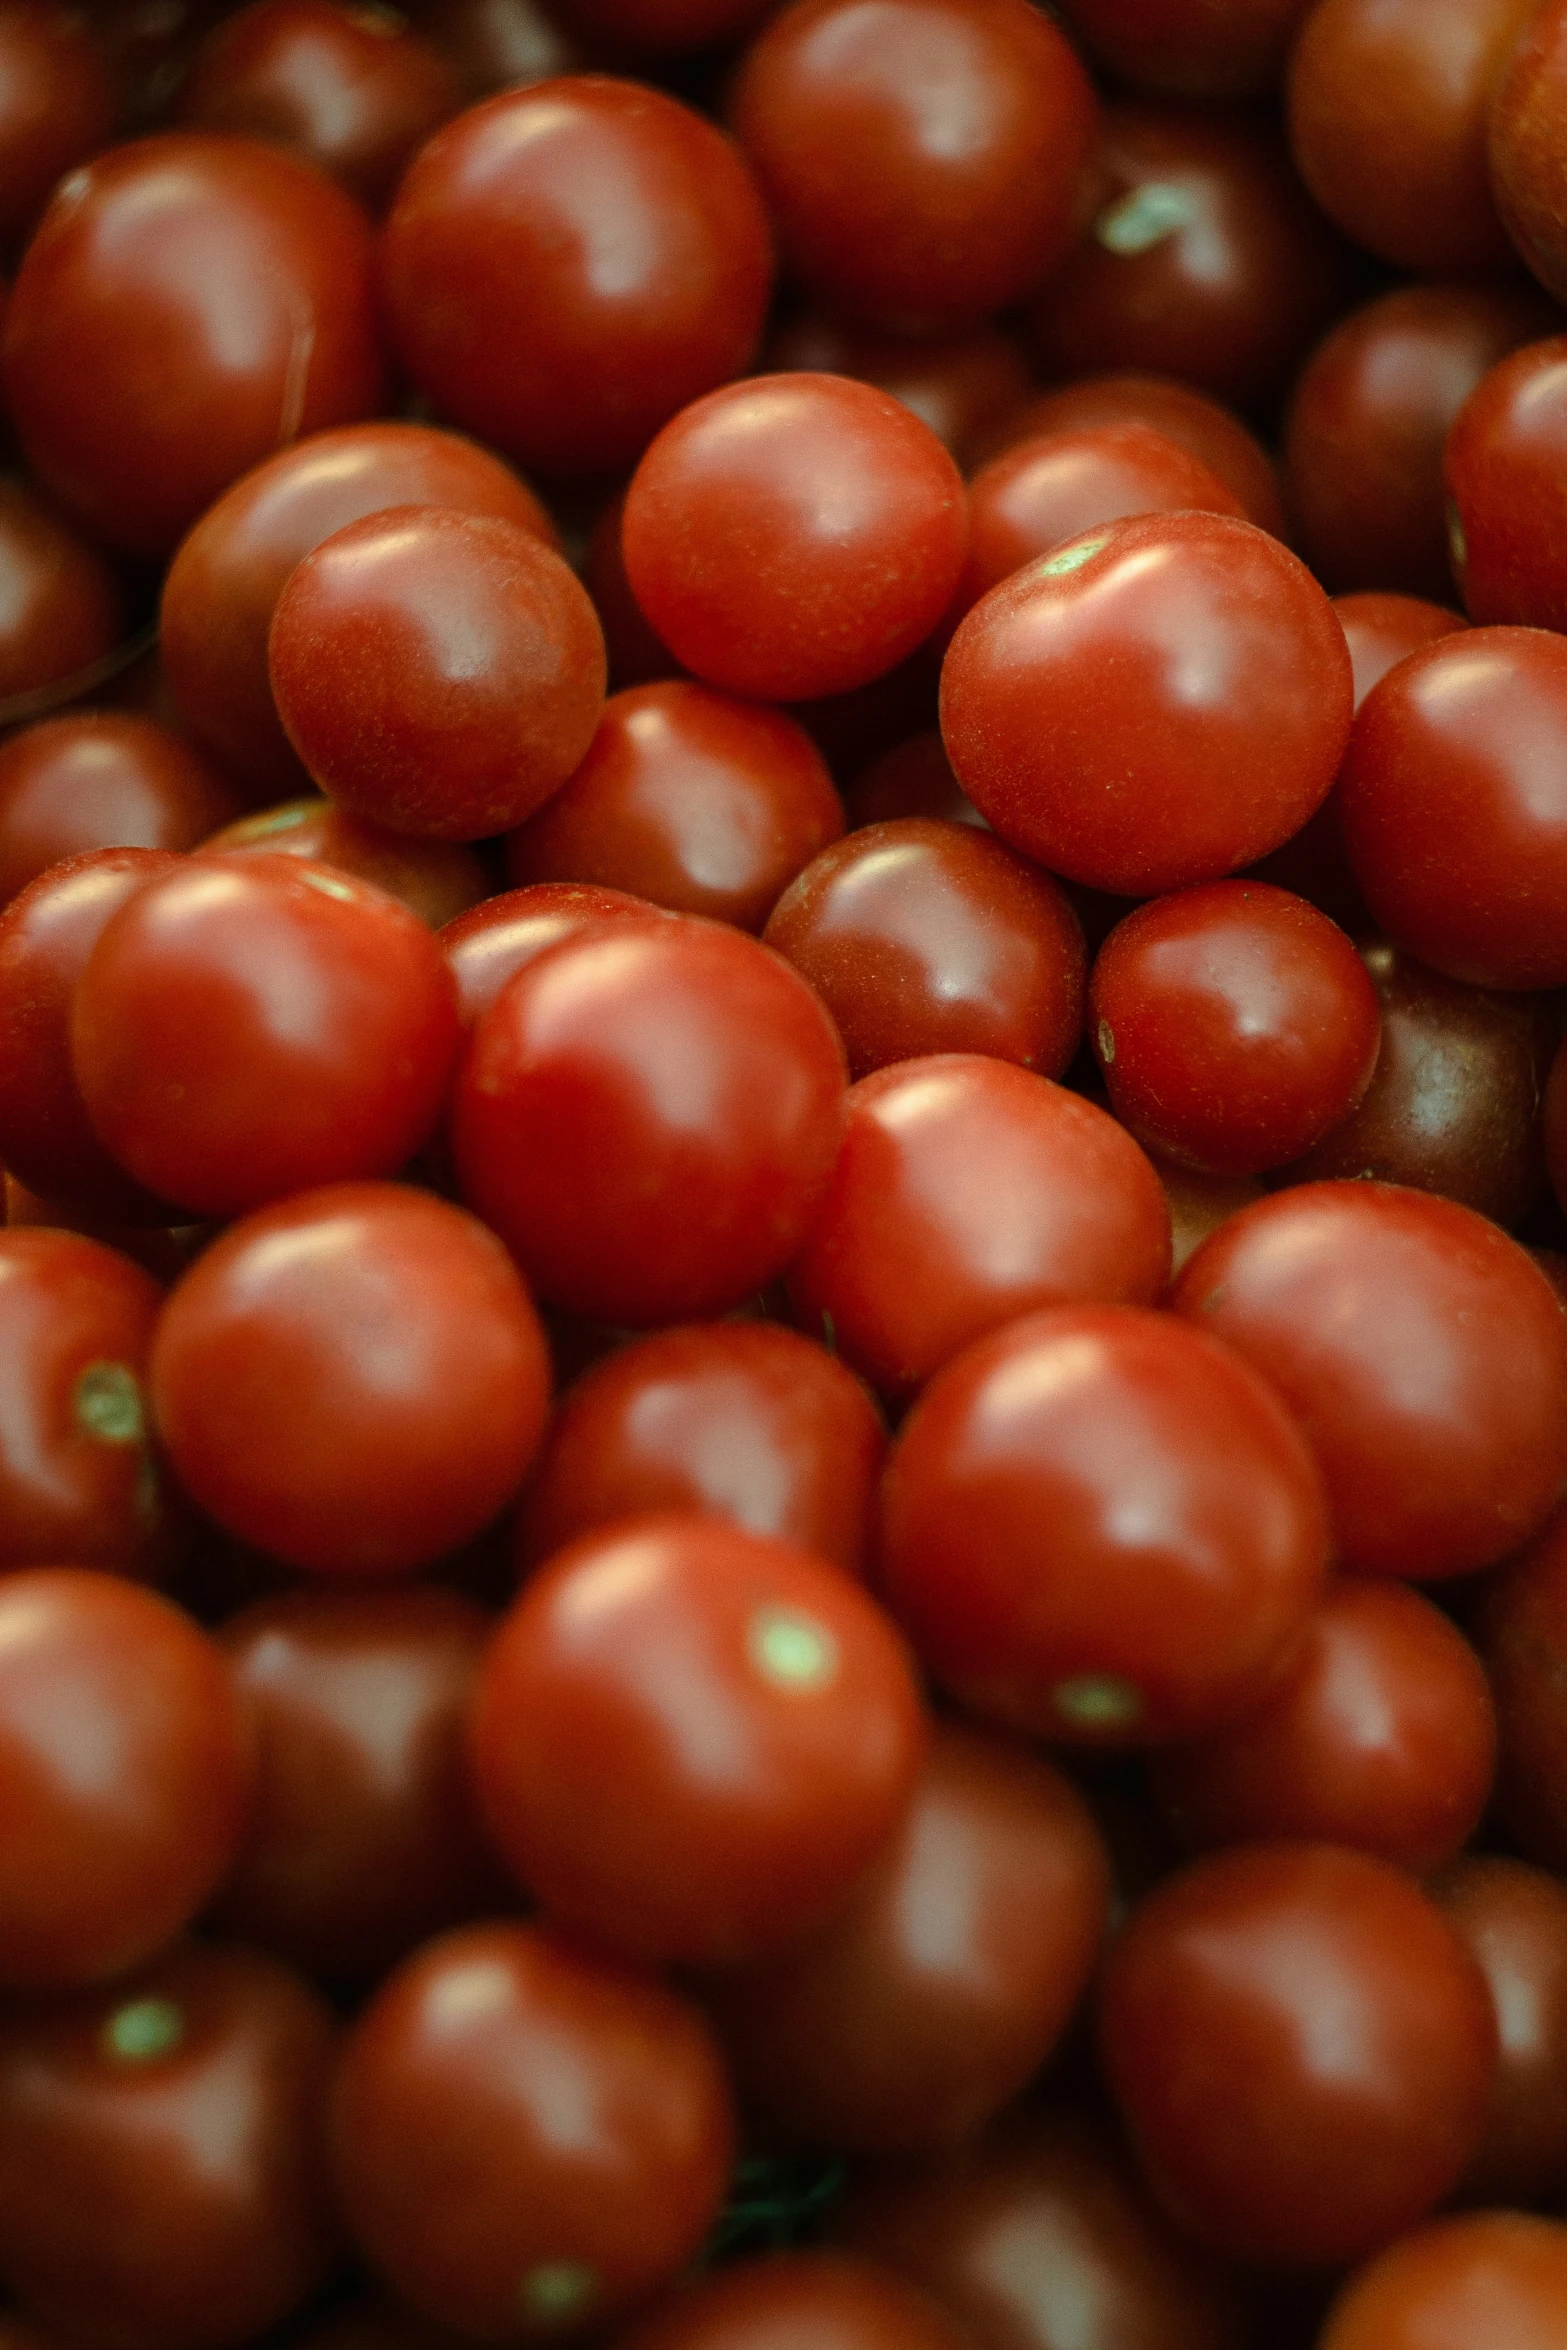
(783, 1302)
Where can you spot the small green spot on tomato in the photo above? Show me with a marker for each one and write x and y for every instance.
(1072, 558)
(1106, 1043)
(1455, 537)
(556, 2291)
(143, 2029)
(330, 887)
(1144, 217)
(107, 1403)
(1098, 1701)
(791, 1649)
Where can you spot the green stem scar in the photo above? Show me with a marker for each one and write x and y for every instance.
(107, 1403)
(143, 2029)
(1098, 1701)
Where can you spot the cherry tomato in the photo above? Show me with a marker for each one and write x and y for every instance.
(1199, 1204)
(648, 1116)
(1154, 704)
(58, 106)
(1496, 2280)
(187, 304)
(933, 1994)
(1302, 2049)
(924, 936)
(224, 582)
(567, 265)
(363, 1837)
(64, 610)
(914, 778)
(100, 780)
(1387, 105)
(1514, 1920)
(960, 385)
(1503, 470)
(921, 158)
(497, 44)
(815, 2297)
(573, 2129)
(762, 1707)
(1422, 1353)
(968, 1192)
(161, 2177)
(638, 655)
(794, 535)
(688, 798)
(352, 91)
(739, 1419)
(436, 879)
(1203, 259)
(247, 1026)
(1522, 1632)
(439, 673)
(1096, 1530)
(125, 1770)
(1234, 1025)
(496, 938)
(1381, 629)
(1379, 1733)
(1225, 49)
(353, 1380)
(1527, 163)
(1199, 425)
(1040, 2235)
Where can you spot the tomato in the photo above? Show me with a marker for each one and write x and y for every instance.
(1100, 1527)
(760, 1704)
(1154, 704)
(794, 535)
(648, 1116)
(914, 778)
(436, 879)
(1514, 1920)
(1302, 2049)
(1227, 49)
(1381, 629)
(101, 780)
(1422, 1353)
(1496, 2281)
(353, 1380)
(815, 2297)
(1203, 427)
(1521, 1627)
(64, 610)
(1502, 468)
(573, 2128)
(59, 105)
(960, 385)
(495, 939)
(125, 1770)
(943, 1983)
(1525, 146)
(161, 2177)
(248, 1026)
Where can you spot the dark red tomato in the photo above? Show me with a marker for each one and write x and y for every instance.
(1302, 2048)
(1234, 1025)
(1039, 492)
(1041, 2235)
(1156, 703)
(125, 1771)
(363, 1836)
(101, 779)
(962, 386)
(161, 1250)
(915, 778)
(689, 799)
(1503, 469)
(77, 1478)
(783, 2303)
(925, 936)
(1379, 1734)
(223, 585)
(1199, 1204)
(968, 1192)
(63, 610)
(248, 1026)
(665, 27)
(1101, 1528)
(922, 159)
(187, 304)
(58, 106)
(1203, 259)
(439, 880)
(350, 90)
(572, 2124)
(439, 673)
(1493, 2280)
(739, 1419)
(162, 2185)
(1387, 105)
(1381, 629)
(648, 1115)
(1527, 164)
(1197, 424)
(638, 655)
(1522, 1633)
(690, 1740)
(566, 266)
(794, 535)
(370, 2325)
(1368, 419)
(1453, 801)
(497, 44)
(495, 939)
(353, 1381)
(1514, 1920)
(1455, 1104)
(47, 934)
(1223, 49)
(852, 729)
(942, 1984)
(1422, 1353)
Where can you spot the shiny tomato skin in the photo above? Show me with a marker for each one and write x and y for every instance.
(822, 2298)
(1487, 2280)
